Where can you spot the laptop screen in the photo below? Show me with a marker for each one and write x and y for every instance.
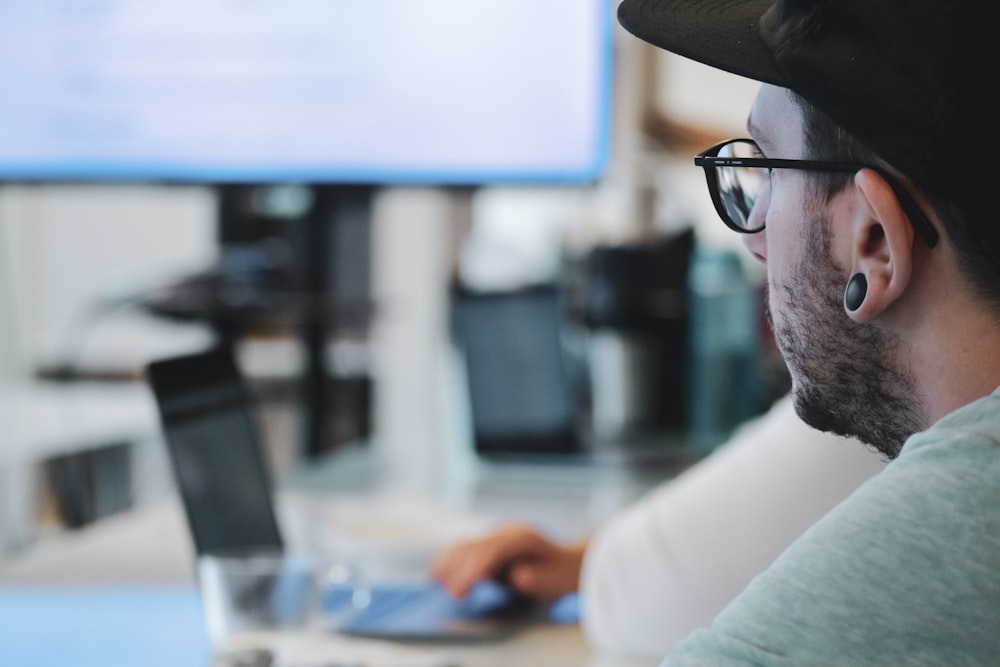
(215, 450)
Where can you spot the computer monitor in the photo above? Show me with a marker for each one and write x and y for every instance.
(311, 91)
(521, 388)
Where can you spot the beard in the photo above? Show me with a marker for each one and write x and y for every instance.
(844, 377)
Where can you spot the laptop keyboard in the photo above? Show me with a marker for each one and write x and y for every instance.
(406, 605)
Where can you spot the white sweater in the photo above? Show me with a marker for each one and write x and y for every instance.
(669, 563)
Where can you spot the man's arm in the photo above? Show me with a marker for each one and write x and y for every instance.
(668, 564)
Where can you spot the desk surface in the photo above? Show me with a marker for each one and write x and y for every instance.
(121, 592)
(161, 626)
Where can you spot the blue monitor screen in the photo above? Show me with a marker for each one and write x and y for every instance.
(338, 91)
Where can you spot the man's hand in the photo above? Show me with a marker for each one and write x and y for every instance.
(516, 555)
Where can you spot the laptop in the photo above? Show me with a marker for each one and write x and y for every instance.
(221, 474)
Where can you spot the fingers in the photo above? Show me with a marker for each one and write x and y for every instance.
(462, 565)
(486, 558)
(548, 579)
(516, 554)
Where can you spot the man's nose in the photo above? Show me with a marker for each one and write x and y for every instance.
(756, 243)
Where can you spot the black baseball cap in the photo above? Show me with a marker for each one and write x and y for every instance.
(912, 79)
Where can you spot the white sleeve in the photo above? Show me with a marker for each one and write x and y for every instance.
(669, 563)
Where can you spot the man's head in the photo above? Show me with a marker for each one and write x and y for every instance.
(888, 104)
(847, 375)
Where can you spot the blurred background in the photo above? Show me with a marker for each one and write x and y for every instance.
(451, 240)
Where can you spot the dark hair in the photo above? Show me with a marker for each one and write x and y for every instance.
(968, 224)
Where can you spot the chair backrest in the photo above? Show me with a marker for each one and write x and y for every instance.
(521, 388)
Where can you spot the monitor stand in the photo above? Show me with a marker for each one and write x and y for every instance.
(322, 226)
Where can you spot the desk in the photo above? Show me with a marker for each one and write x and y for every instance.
(143, 560)
(102, 626)
(161, 626)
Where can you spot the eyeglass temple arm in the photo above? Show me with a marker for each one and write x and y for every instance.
(916, 215)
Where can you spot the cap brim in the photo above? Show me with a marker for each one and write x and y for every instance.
(719, 33)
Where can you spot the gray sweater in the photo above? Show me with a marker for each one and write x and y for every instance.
(905, 572)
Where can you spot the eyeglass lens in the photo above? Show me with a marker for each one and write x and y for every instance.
(738, 187)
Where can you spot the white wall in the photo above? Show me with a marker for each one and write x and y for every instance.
(71, 248)
(413, 234)
(704, 96)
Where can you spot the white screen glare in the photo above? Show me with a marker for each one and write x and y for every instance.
(349, 91)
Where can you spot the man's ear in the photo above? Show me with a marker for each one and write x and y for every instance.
(881, 246)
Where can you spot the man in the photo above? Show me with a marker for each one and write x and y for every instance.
(868, 190)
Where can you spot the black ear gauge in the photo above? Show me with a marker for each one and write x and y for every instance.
(857, 290)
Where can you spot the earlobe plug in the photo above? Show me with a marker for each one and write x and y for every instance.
(857, 289)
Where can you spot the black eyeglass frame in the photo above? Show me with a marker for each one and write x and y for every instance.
(709, 160)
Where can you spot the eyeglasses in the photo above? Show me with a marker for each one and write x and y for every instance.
(737, 172)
